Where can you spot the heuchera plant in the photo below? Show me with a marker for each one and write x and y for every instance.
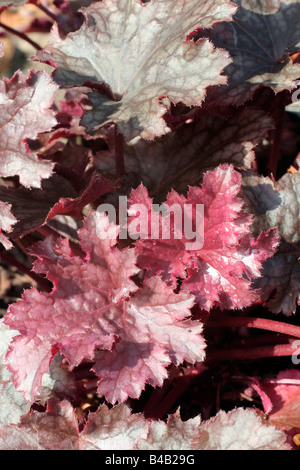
(151, 340)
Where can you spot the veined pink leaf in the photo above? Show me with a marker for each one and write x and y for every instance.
(25, 112)
(219, 272)
(59, 383)
(140, 52)
(90, 308)
(156, 332)
(76, 316)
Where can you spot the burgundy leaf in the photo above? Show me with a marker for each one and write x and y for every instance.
(178, 159)
(97, 187)
(31, 206)
(260, 39)
(277, 205)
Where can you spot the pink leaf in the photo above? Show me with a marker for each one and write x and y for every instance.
(90, 307)
(284, 392)
(222, 270)
(12, 403)
(156, 332)
(76, 316)
(25, 112)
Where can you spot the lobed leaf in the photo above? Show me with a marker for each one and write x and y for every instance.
(220, 271)
(276, 205)
(90, 308)
(25, 105)
(139, 53)
(178, 159)
(261, 39)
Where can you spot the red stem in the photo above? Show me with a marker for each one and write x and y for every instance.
(20, 35)
(42, 282)
(279, 350)
(260, 323)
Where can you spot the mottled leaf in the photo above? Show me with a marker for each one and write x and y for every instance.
(219, 271)
(139, 51)
(7, 220)
(90, 308)
(25, 112)
(55, 429)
